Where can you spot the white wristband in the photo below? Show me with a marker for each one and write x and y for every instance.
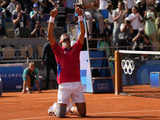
(80, 18)
(51, 19)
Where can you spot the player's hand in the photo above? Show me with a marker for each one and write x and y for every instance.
(54, 12)
(79, 11)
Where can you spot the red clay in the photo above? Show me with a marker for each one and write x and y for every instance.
(17, 106)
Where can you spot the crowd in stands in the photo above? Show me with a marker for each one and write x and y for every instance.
(131, 23)
(26, 15)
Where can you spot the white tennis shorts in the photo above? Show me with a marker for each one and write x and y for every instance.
(71, 90)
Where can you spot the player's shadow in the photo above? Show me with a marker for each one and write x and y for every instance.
(7, 96)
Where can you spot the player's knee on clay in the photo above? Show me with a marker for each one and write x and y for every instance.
(81, 108)
(60, 110)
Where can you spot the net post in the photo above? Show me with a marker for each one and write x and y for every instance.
(118, 82)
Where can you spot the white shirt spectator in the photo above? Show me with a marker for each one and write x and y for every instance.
(129, 3)
(103, 4)
(135, 20)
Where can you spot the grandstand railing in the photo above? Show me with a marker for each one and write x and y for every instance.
(19, 49)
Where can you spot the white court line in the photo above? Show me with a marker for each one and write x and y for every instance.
(51, 98)
(100, 113)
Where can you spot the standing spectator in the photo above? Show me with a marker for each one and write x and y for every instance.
(150, 27)
(49, 61)
(157, 23)
(129, 4)
(30, 76)
(38, 31)
(20, 22)
(110, 19)
(35, 15)
(103, 4)
(93, 13)
(118, 17)
(68, 76)
(141, 5)
(136, 20)
(2, 23)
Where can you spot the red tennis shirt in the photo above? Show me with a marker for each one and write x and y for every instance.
(68, 62)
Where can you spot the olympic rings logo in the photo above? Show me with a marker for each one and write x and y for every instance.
(128, 66)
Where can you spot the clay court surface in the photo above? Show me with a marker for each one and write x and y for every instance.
(143, 103)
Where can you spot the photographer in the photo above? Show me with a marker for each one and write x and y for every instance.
(20, 22)
(30, 76)
(38, 31)
(2, 23)
(141, 41)
(35, 15)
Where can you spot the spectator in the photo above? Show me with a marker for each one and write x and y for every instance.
(103, 9)
(157, 23)
(141, 41)
(38, 31)
(20, 22)
(136, 20)
(129, 4)
(125, 35)
(103, 4)
(109, 22)
(141, 5)
(118, 18)
(2, 23)
(49, 61)
(30, 76)
(93, 13)
(150, 27)
(68, 76)
(35, 15)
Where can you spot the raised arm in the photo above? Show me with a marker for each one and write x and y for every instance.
(51, 37)
(82, 28)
